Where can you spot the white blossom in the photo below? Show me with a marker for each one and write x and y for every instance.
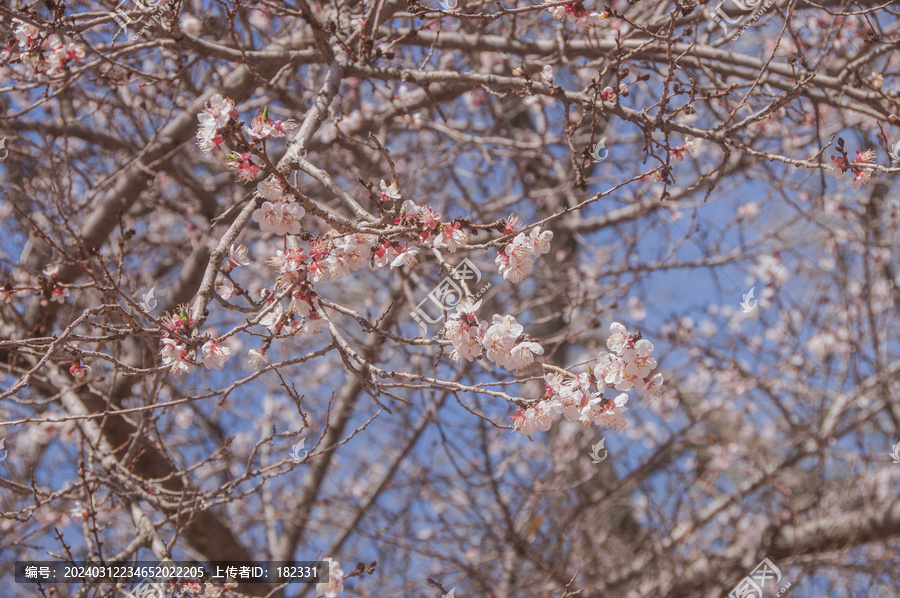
(281, 218)
(335, 583)
(214, 355)
(389, 192)
(26, 33)
(257, 359)
(174, 355)
(464, 338)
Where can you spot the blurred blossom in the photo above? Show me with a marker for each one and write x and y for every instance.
(636, 309)
(748, 210)
(191, 25)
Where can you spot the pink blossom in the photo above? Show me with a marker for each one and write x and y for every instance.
(237, 256)
(837, 166)
(513, 267)
(218, 112)
(191, 25)
(384, 254)
(567, 395)
(208, 139)
(263, 127)
(302, 304)
(500, 338)
(524, 421)
(257, 359)
(576, 13)
(246, 165)
(387, 253)
(281, 218)
(452, 237)
(350, 253)
(539, 241)
(216, 115)
(516, 261)
(464, 338)
(59, 295)
(406, 257)
(175, 356)
(610, 369)
(863, 176)
(619, 337)
(544, 414)
(430, 219)
(78, 371)
(748, 210)
(389, 192)
(215, 355)
(409, 209)
(225, 288)
(270, 189)
(316, 323)
(638, 360)
(27, 34)
(606, 412)
(653, 387)
(291, 261)
(62, 54)
(272, 319)
(522, 355)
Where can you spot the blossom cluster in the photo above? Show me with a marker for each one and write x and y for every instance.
(501, 340)
(219, 112)
(27, 34)
(578, 14)
(516, 261)
(179, 359)
(861, 167)
(57, 293)
(31, 50)
(177, 355)
(276, 214)
(432, 232)
(262, 127)
(334, 254)
(583, 399)
(213, 119)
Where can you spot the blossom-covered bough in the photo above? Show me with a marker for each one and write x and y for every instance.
(297, 184)
(334, 255)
